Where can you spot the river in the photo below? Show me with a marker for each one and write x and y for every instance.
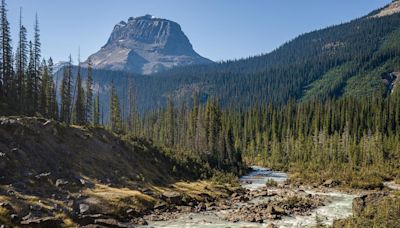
(339, 206)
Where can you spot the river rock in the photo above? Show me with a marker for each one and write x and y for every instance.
(172, 197)
(83, 208)
(261, 193)
(275, 210)
(111, 223)
(42, 222)
(331, 183)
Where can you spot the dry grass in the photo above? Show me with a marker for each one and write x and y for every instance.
(198, 189)
(116, 200)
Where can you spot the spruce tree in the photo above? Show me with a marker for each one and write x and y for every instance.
(133, 115)
(96, 110)
(36, 65)
(170, 123)
(80, 118)
(44, 90)
(51, 91)
(29, 88)
(21, 62)
(115, 111)
(89, 92)
(65, 93)
(6, 73)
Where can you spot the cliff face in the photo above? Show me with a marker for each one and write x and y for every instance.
(146, 45)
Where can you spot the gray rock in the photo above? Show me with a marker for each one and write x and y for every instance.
(111, 223)
(61, 182)
(28, 216)
(172, 197)
(42, 222)
(146, 45)
(14, 217)
(83, 208)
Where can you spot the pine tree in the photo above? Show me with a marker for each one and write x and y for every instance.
(21, 62)
(80, 100)
(96, 110)
(170, 123)
(213, 124)
(36, 65)
(115, 111)
(29, 88)
(133, 116)
(44, 89)
(65, 93)
(6, 74)
(89, 92)
(51, 91)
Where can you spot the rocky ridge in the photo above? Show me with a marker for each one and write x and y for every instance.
(146, 45)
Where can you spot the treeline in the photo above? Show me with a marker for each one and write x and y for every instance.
(27, 85)
(349, 59)
(355, 141)
(352, 140)
(203, 132)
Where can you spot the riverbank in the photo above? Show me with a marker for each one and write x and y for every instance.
(257, 205)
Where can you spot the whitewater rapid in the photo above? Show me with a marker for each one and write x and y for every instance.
(339, 206)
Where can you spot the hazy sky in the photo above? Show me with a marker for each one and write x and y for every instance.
(218, 29)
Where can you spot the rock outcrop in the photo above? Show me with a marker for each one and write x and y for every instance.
(146, 45)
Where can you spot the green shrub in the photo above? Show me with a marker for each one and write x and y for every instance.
(271, 183)
(384, 213)
(225, 178)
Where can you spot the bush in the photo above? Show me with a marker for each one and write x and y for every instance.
(271, 183)
(384, 213)
(225, 178)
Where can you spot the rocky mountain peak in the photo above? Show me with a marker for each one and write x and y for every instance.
(146, 44)
(392, 8)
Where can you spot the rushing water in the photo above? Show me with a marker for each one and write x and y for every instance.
(339, 207)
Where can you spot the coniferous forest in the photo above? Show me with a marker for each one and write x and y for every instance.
(350, 134)
(324, 106)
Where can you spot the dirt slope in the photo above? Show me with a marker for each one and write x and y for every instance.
(53, 175)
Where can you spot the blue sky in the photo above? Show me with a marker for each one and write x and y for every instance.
(218, 29)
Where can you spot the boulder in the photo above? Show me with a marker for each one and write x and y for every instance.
(172, 197)
(111, 223)
(61, 182)
(141, 221)
(330, 183)
(261, 193)
(270, 225)
(83, 208)
(42, 222)
(275, 210)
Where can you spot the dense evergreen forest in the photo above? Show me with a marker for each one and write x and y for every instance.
(326, 102)
(354, 59)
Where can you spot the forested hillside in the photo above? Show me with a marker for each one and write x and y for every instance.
(357, 59)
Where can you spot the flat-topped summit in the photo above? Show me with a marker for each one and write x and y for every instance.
(146, 44)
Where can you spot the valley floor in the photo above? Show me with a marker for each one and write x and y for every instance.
(52, 175)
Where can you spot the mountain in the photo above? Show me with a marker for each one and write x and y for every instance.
(146, 45)
(359, 58)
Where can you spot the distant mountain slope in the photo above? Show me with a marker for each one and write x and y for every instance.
(359, 58)
(146, 45)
